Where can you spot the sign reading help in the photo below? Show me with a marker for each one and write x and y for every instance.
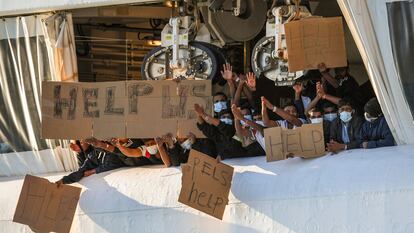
(206, 184)
(306, 141)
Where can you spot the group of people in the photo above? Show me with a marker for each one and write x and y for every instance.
(236, 129)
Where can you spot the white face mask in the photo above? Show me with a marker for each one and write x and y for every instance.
(345, 116)
(316, 120)
(330, 116)
(152, 149)
(186, 145)
(247, 117)
(227, 121)
(260, 123)
(369, 119)
(219, 106)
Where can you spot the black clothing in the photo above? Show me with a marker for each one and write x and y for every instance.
(223, 137)
(354, 131)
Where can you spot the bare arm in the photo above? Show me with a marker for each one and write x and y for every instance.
(130, 152)
(248, 91)
(204, 117)
(238, 117)
(227, 74)
(163, 152)
(330, 98)
(318, 97)
(291, 119)
(236, 99)
(265, 116)
(325, 74)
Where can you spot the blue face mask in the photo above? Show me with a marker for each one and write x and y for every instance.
(345, 116)
(330, 116)
(219, 106)
(227, 121)
(247, 117)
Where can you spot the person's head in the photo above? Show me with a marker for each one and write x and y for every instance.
(226, 117)
(372, 110)
(341, 72)
(345, 110)
(247, 114)
(220, 102)
(257, 116)
(149, 142)
(291, 109)
(315, 115)
(329, 111)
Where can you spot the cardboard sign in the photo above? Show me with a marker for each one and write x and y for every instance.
(45, 207)
(313, 41)
(133, 109)
(206, 184)
(306, 141)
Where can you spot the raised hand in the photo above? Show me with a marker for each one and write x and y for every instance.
(115, 142)
(322, 67)
(236, 112)
(267, 103)
(251, 81)
(319, 90)
(192, 137)
(227, 71)
(199, 110)
(168, 138)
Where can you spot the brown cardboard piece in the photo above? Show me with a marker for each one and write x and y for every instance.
(66, 121)
(313, 41)
(306, 141)
(206, 184)
(44, 207)
(134, 109)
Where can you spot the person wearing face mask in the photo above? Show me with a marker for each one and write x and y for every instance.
(375, 131)
(221, 131)
(250, 131)
(346, 130)
(288, 113)
(146, 154)
(315, 117)
(246, 132)
(343, 85)
(178, 149)
(220, 102)
(329, 112)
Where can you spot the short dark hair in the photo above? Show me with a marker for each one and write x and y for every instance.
(288, 105)
(315, 109)
(225, 111)
(344, 102)
(221, 93)
(328, 104)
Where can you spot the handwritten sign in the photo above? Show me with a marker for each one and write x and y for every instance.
(312, 41)
(306, 141)
(206, 184)
(133, 109)
(45, 207)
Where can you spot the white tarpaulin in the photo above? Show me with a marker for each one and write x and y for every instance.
(368, 22)
(358, 191)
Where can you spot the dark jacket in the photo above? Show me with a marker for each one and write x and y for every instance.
(97, 159)
(178, 155)
(354, 131)
(377, 133)
(222, 136)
